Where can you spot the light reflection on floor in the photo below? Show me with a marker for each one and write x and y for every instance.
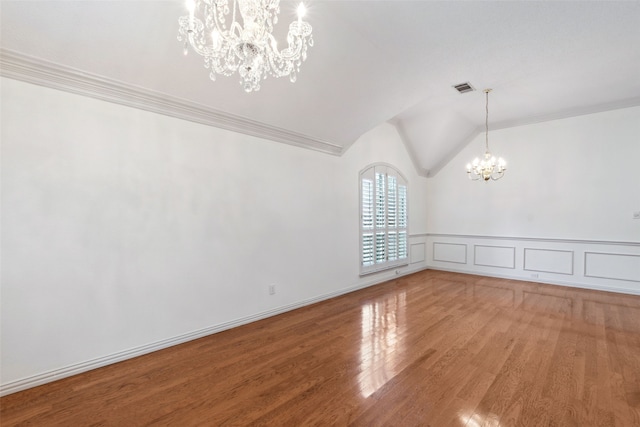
(476, 420)
(382, 344)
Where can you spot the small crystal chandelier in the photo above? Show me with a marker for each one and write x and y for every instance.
(488, 167)
(249, 48)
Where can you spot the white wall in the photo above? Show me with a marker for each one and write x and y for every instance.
(563, 213)
(125, 231)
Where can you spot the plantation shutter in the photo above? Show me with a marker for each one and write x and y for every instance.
(367, 221)
(383, 219)
(403, 251)
(392, 212)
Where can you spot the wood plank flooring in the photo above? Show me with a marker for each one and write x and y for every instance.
(429, 349)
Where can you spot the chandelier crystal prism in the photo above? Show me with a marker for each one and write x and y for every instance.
(249, 46)
(488, 167)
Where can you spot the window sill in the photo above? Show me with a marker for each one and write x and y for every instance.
(381, 269)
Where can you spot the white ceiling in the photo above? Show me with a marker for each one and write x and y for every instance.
(373, 61)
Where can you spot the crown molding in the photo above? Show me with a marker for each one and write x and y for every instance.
(37, 71)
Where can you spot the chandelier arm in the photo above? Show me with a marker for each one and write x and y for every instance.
(231, 34)
(282, 62)
(497, 176)
(218, 12)
(297, 41)
(218, 23)
(218, 68)
(273, 45)
(293, 54)
(279, 67)
(196, 38)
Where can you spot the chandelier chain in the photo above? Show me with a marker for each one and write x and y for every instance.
(487, 168)
(486, 120)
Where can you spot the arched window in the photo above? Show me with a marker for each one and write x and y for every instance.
(384, 218)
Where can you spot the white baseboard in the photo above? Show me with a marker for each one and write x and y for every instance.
(78, 368)
(539, 280)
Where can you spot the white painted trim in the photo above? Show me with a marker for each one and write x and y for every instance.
(512, 260)
(524, 261)
(78, 368)
(464, 245)
(536, 239)
(413, 248)
(382, 164)
(17, 66)
(28, 69)
(548, 282)
(577, 249)
(586, 265)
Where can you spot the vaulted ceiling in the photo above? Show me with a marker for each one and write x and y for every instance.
(372, 62)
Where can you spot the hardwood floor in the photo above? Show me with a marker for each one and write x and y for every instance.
(430, 349)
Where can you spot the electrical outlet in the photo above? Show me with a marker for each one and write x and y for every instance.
(272, 289)
(636, 215)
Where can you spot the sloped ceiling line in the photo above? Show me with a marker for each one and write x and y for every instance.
(44, 73)
(48, 74)
(453, 153)
(412, 154)
(575, 112)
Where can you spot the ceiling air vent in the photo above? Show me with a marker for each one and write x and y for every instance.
(464, 87)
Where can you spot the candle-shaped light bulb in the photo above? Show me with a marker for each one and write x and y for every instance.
(215, 38)
(301, 12)
(191, 7)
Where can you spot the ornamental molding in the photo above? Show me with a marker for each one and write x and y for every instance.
(48, 74)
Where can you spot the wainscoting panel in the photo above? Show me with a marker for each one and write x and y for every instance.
(548, 261)
(494, 256)
(450, 252)
(592, 264)
(612, 266)
(417, 253)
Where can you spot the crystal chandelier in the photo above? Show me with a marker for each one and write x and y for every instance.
(247, 45)
(488, 167)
